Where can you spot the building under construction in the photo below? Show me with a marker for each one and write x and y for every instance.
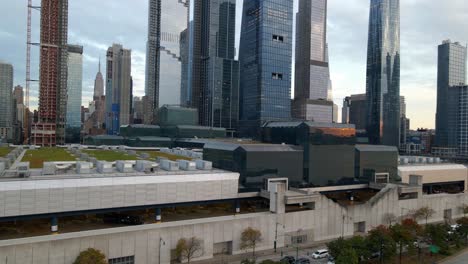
(50, 128)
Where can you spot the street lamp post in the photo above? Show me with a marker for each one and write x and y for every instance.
(161, 242)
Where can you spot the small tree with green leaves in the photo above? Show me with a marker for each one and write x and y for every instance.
(380, 240)
(424, 213)
(462, 230)
(187, 249)
(464, 209)
(347, 256)
(91, 256)
(437, 235)
(250, 237)
(402, 236)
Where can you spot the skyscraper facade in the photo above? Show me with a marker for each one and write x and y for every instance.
(118, 88)
(6, 107)
(312, 97)
(18, 94)
(153, 58)
(74, 84)
(457, 119)
(50, 128)
(354, 111)
(184, 61)
(98, 84)
(265, 63)
(383, 73)
(451, 71)
(219, 73)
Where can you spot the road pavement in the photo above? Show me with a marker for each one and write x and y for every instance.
(460, 259)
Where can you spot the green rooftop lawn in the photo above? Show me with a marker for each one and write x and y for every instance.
(155, 154)
(37, 157)
(109, 155)
(4, 151)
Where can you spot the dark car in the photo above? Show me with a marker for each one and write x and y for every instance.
(302, 261)
(287, 260)
(122, 219)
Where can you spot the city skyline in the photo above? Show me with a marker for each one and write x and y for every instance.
(347, 40)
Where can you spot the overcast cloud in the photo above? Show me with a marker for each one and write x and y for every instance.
(98, 24)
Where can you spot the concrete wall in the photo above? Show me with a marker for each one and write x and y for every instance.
(63, 195)
(323, 223)
(435, 173)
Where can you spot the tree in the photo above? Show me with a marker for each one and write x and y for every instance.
(464, 209)
(250, 237)
(335, 247)
(360, 245)
(341, 248)
(416, 232)
(402, 236)
(91, 256)
(462, 230)
(424, 213)
(437, 235)
(380, 240)
(269, 261)
(347, 256)
(389, 218)
(188, 248)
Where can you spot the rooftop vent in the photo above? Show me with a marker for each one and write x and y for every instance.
(83, 167)
(22, 170)
(104, 167)
(204, 165)
(187, 165)
(49, 168)
(146, 166)
(124, 167)
(169, 165)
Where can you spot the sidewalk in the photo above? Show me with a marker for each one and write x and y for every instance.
(462, 255)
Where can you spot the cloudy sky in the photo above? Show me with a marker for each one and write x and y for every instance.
(98, 24)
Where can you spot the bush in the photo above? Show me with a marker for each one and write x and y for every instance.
(91, 256)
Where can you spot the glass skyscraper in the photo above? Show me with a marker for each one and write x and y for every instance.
(451, 71)
(265, 57)
(312, 99)
(383, 73)
(6, 108)
(74, 85)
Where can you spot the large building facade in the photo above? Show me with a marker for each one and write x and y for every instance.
(457, 119)
(50, 128)
(383, 73)
(74, 84)
(451, 71)
(312, 83)
(265, 63)
(219, 71)
(118, 88)
(6, 107)
(354, 111)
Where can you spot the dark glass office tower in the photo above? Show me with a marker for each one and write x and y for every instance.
(219, 72)
(265, 57)
(451, 71)
(383, 73)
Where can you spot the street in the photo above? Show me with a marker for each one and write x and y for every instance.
(303, 253)
(461, 259)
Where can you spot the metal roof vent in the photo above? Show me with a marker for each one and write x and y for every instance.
(49, 168)
(169, 165)
(204, 165)
(83, 167)
(104, 167)
(146, 166)
(187, 165)
(124, 167)
(22, 170)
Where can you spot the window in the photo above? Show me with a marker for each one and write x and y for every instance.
(277, 76)
(123, 260)
(299, 239)
(278, 38)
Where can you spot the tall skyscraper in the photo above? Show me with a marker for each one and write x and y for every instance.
(451, 71)
(312, 97)
(20, 116)
(383, 73)
(6, 100)
(18, 94)
(153, 59)
(457, 119)
(118, 88)
(74, 84)
(50, 128)
(98, 84)
(184, 61)
(219, 74)
(265, 63)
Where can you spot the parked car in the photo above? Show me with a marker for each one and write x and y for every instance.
(122, 219)
(331, 260)
(319, 254)
(302, 261)
(288, 260)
